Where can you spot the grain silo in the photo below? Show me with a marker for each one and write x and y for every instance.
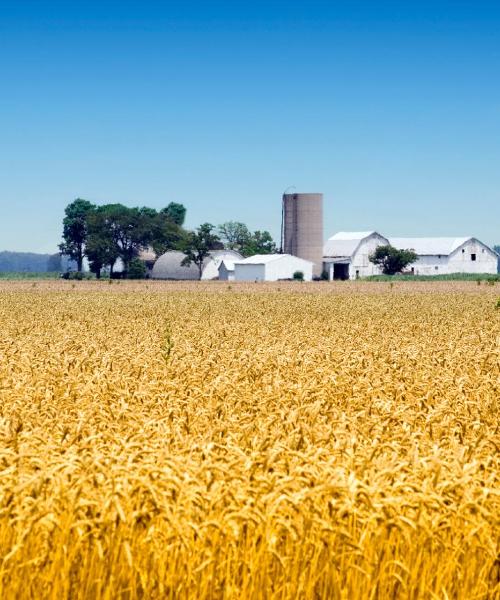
(302, 233)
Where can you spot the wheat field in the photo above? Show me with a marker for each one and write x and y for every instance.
(163, 440)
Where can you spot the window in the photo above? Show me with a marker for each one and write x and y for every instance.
(482, 250)
(473, 257)
(463, 250)
(436, 267)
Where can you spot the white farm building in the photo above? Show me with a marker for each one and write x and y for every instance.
(444, 255)
(346, 254)
(226, 270)
(271, 267)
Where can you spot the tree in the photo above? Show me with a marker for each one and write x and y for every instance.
(198, 245)
(234, 235)
(166, 233)
(102, 249)
(128, 228)
(237, 236)
(260, 242)
(137, 269)
(175, 212)
(75, 230)
(391, 260)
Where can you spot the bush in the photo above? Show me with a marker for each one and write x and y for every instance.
(298, 276)
(137, 269)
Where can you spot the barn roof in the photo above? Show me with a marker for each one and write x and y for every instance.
(263, 259)
(429, 245)
(345, 243)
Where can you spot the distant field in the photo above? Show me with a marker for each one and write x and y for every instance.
(218, 440)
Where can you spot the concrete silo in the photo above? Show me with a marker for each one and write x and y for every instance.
(302, 233)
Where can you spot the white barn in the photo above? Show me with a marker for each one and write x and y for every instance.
(346, 254)
(271, 267)
(445, 255)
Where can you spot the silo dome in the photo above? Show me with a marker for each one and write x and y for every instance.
(168, 265)
(211, 267)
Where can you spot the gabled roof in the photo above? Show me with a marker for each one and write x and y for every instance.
(345, 243)
(427, 246)
(263, 259)
(228, 263)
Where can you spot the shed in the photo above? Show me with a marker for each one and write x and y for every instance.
(272, 267)
(226, 270)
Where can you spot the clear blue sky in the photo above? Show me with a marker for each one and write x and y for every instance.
(391, 109)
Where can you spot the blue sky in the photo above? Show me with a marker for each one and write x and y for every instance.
(391, 109)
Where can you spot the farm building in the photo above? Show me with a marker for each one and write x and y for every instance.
(169, 265)
(346, 254)
(272, 267)
(226, 270)
(443, 255)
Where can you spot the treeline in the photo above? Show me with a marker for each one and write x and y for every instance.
(104, 234)
(31, 262)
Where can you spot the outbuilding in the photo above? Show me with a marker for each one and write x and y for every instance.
(446, 255)
(226, 270)
(272, 267)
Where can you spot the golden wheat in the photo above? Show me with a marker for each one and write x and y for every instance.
(275, 441)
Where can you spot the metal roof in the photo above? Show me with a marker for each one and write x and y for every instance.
(427, 246)
(262, 259)
(345, 243)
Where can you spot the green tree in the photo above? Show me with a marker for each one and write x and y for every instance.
(166, 234)
(391, 260)
(237, 236)
(175, 212)
(198, 245)
(130, 230)
(260, 242)
(75, 230)
(137, 269)
(234, 235)
(102, 249)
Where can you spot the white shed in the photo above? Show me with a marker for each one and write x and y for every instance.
(272, 267)
(226, 270)
(445, 255)
(346, 254)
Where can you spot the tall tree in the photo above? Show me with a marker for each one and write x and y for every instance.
(166, 234)
(234, 235)
(198, 245)
(129, 228)
(260, 242)
(391, 260)
(176, 212)
(102, 249)
(75, 230)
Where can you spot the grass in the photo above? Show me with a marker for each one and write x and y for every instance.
(19, 275)
(448, 277)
